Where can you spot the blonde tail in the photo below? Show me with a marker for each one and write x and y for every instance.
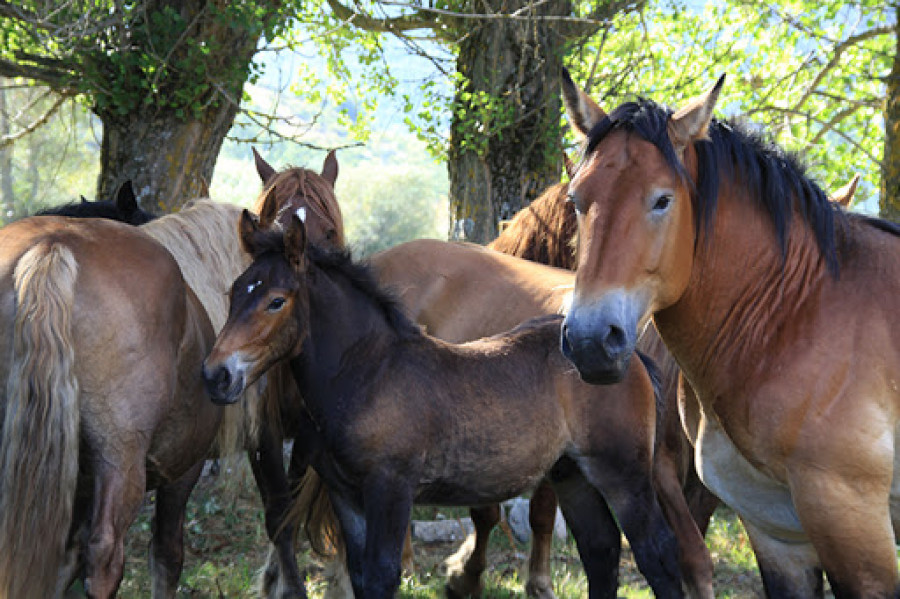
(40, 426)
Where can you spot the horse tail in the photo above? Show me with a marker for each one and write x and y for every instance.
(39, 429)
(312, 512)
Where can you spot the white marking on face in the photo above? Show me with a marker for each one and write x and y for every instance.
(253, 286)
(301, 213)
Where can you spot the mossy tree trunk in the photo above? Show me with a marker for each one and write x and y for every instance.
(505, 130)
(890, 170)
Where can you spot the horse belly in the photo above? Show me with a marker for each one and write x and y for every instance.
(495, 473)
(756, 497)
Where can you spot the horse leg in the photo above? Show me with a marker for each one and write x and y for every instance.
(846, 515)
(281, 576)
(631, 496)
(542, 517)
(167, 545)
(788, 569)
(696, 563)
(701, 502)
(116, 503)
(353, 526)
(467, 582)
(596, 534)
(387, 497)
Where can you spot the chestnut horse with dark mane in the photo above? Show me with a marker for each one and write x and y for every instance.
(395, 416)
(782, 312)
(101, 342)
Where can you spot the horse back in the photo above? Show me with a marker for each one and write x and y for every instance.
(453, 288)
(139, 334)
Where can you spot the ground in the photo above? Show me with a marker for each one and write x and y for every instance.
(225, 545)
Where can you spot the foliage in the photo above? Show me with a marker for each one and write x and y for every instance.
(122, 57)
(386, 206)
(810, 74)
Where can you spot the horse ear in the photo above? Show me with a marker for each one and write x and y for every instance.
(84, 200)
(844, 195)
(264, 169)
(569, 165)
(126, 202)
(582, 111)
(295, 243)
(330, 168)
(204, 187)
(247, 230)
(691, 122)
(268, 212)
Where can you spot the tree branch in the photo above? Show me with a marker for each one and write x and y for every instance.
(8, 140)
(836, 54)
(52, 77)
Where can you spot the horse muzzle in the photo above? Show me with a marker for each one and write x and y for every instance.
(223, 383)
(600, 338)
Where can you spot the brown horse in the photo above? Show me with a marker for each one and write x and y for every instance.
(781, 310)
(101, 341)
(397, 416)
(455, 290)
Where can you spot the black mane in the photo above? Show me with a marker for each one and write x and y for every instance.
(361, 276)
(776, 178)
(98, 209)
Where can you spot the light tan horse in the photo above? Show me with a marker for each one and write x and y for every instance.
(101, 342)
(782, 312)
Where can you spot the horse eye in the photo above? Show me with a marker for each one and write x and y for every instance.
(276, 304)
(330, 235)
(662, 203)
(570, 198)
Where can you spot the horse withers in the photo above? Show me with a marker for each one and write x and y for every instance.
(781, 310)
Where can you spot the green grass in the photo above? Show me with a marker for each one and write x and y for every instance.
(225, 545)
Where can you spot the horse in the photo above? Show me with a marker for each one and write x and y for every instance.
(452, 289)
(781, 311)
(123, 209)
(101, 342)
(203, 239)
(396, 416)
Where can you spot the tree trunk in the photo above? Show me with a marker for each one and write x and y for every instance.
(890, 169)
(505, 130)
(7, 195)
(166, 158)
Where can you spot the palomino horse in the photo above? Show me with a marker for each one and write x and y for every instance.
(101, 341)
(396, 416)
(455, 291)
(782, 312)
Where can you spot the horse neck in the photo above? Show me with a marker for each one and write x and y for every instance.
(745, 299)
(350, 337)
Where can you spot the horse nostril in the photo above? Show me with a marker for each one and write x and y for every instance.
(222, 379)
(615, 339)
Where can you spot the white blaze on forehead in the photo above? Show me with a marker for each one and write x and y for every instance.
(253, 286)
(301, 213)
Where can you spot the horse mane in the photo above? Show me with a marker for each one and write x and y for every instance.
(776, 178)
(298, 181)
(543, 231)
(203, 238)
(360, 275)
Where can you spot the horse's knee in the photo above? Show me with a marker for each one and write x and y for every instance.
(105, 562)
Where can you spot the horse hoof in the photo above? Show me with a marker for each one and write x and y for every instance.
(539, 589)
(459, 588)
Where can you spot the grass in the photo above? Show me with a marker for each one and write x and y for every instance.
(226, 544)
